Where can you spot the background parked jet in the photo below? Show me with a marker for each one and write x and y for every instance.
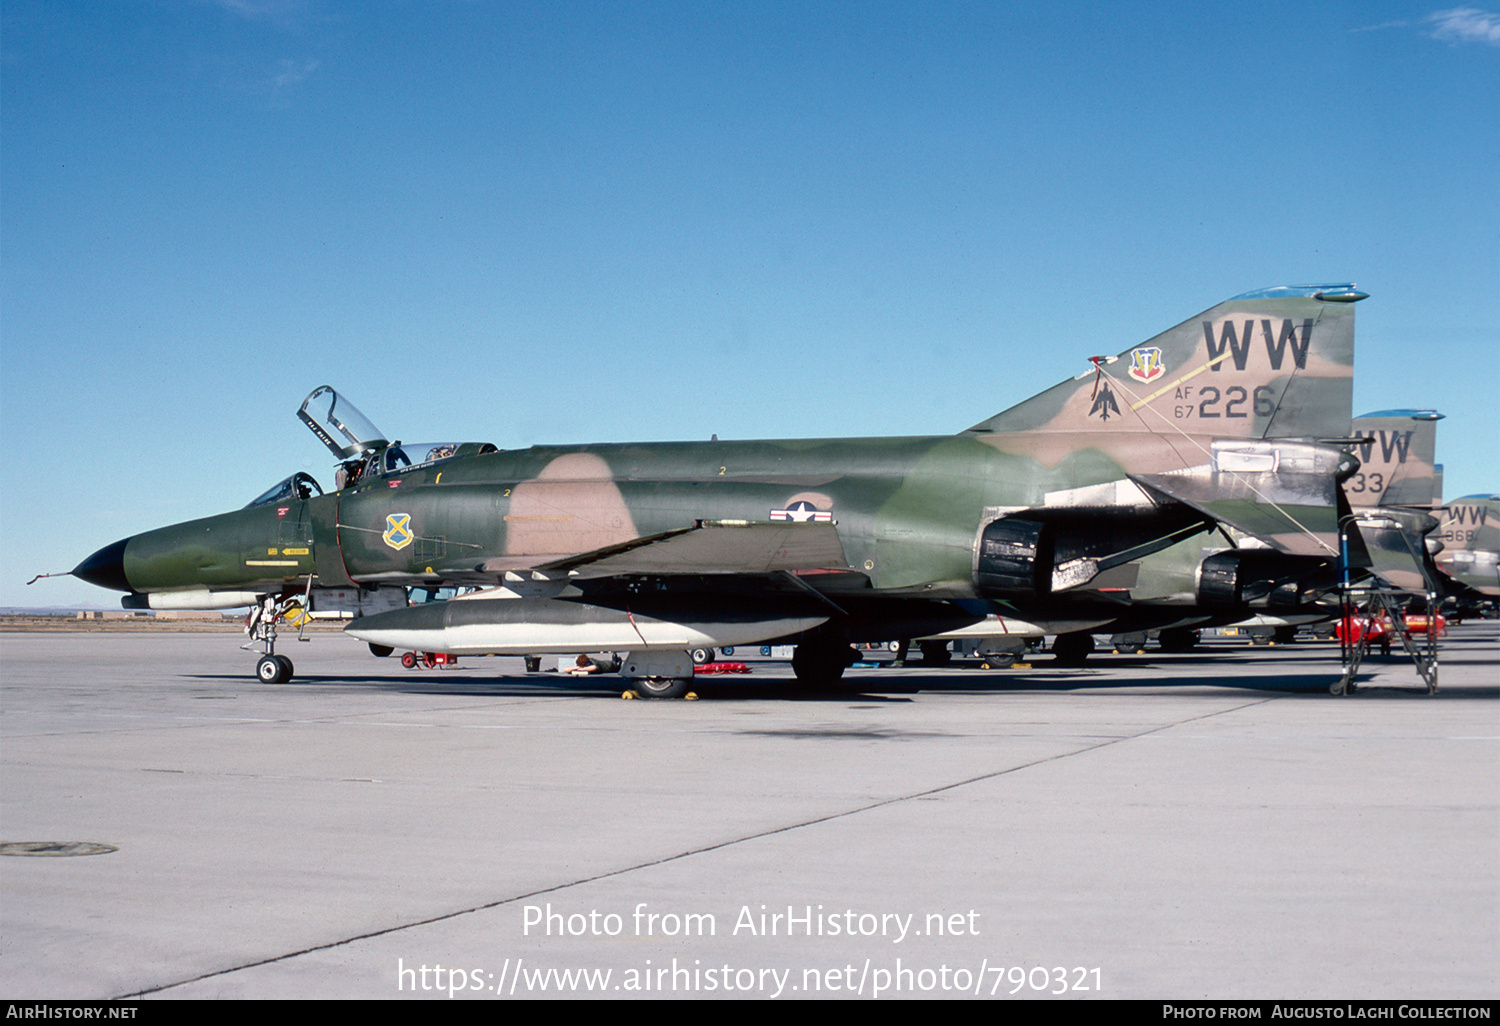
(1415, 541)
(1470, 532)
(1395, 494)
(1398, 460)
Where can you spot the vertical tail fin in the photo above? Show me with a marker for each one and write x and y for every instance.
(1277, 363)
(1397, 460)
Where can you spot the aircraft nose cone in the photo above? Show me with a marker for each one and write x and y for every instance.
(106, 568)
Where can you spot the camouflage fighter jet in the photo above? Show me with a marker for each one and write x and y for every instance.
(1397, 452)
(1395, 494)
(1047, 515)
(1470, 532)
(1396, 500)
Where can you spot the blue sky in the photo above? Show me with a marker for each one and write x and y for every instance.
(570, 222)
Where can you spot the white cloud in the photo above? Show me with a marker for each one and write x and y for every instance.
(291, 73)
(258, 10)
(1465, 25)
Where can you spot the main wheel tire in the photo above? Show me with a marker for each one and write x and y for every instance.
(936, 654)
(268, 670)
(286, 669)
(1072, 650)
(380, 650)
(821, 665)
(663, 687)
(702, 656)
(1177, 639)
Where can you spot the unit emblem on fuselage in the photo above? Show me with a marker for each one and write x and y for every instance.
(398, 533)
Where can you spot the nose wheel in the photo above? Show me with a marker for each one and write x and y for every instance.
(273, 669)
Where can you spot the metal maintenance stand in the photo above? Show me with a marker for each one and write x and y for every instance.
(1366, 606)
(1375, 603)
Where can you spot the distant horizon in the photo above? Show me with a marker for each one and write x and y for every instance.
(66, 610)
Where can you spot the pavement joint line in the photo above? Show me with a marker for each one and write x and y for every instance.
(914, 796)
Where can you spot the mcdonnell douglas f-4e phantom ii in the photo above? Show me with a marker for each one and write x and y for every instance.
(1395, 495)
(1397, 504)
(1471, 534)
(1195, 476)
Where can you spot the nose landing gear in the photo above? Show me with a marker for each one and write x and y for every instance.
(260, 625)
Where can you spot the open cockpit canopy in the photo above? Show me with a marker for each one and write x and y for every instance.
(339, 424)
(364, 452)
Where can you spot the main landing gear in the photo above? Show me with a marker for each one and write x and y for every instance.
(820, 662)
(658, 674)
(663, 687)
(1072, 650)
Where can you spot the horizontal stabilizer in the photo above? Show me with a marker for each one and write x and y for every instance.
(1396, 540)
(1283, 493)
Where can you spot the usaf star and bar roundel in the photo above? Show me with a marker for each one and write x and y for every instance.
(802, 512)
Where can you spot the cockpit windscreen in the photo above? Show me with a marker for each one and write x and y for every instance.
(402, 456)
(300, 485)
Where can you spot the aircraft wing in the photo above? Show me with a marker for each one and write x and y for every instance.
(574, 604)
(714, 547)
(1397, 546)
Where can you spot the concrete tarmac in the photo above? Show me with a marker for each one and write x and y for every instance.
(1211, 825)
